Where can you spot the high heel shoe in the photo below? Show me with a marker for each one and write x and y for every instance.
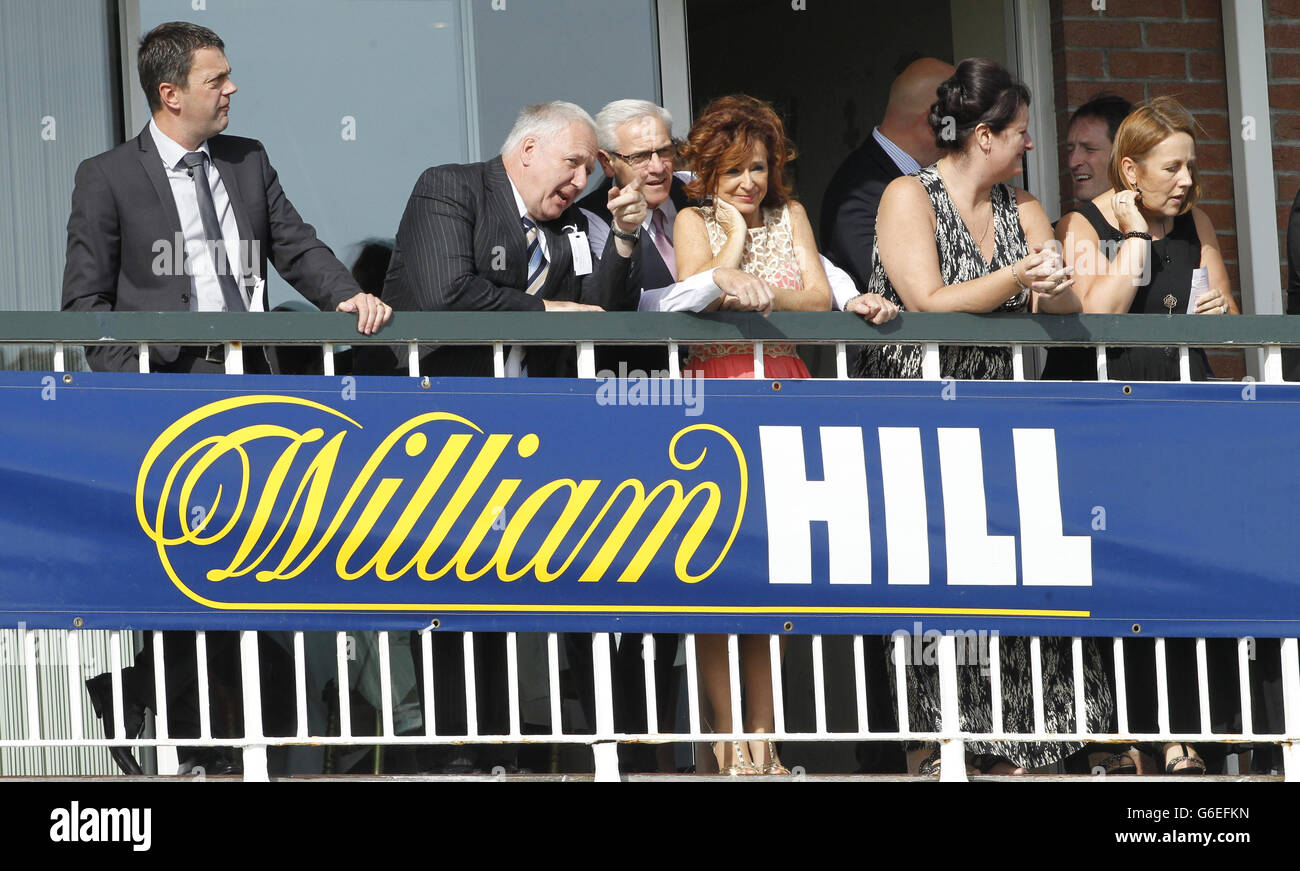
(773, 764)
(742, 767)
(1196, 765)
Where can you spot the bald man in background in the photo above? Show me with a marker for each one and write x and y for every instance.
(902, 144)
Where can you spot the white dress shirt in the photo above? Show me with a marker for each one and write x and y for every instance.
(200, 265)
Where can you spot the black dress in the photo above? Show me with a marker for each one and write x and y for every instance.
(960, 260)
(1171, 262)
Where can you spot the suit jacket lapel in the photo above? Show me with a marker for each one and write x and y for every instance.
(561, 257)
(881, 158)
(227, 170)
(153, 168)
(505, 214)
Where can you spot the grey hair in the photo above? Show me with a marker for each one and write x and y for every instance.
(544, 121)
(619, 112)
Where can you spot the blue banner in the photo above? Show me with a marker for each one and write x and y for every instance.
(634, 504)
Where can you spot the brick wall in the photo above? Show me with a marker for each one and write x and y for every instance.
(1148, 48)
(1282, 38)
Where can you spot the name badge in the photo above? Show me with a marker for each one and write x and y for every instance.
(581, 252)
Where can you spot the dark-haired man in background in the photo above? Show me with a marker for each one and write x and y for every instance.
(1088, 141)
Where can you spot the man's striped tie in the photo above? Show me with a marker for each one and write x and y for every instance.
(537, 265)
(537, 268)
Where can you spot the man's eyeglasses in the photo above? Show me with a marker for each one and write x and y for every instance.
(667, 154)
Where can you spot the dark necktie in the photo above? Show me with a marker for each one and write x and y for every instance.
(193, 161)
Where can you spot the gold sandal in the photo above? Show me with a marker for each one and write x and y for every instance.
(742, 768)
(773, 765)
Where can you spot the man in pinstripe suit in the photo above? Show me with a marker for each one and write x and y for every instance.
(506, 235)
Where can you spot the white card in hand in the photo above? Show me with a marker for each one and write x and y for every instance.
(581, 252)
(1200, 286)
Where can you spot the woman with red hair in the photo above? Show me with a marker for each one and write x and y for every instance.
(738, 151)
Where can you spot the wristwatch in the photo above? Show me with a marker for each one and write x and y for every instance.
(626, 237)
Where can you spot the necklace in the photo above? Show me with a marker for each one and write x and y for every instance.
(987, 225)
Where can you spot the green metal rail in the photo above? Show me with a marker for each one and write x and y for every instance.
(90, 328)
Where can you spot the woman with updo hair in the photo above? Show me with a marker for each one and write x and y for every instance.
(954, 237)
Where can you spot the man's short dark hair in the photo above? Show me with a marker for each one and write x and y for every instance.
(167, 53)
(1111, 108)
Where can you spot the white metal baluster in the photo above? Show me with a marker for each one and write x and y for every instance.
(860, 684)
(413, 359)
(1121, 687)
(385, 686)
(819, 684)
(498, 360)
(1291, 710)
(733, 682)
(344, 684)
(143, 350)
(1243, 674)
(235, 366)
(1272, 364)
(674, 361)
(73, 644)
(586, 360)
(995, 683)
(1184, 364)
(900, 683)
(553, 666)
(604, 748)
(1102, 374)
(167, 756)
(426, 669)
(512, 680)
(254, 741)
(300, 682)
(841, 361)
(1203, 684)
(205, 699)
(1162, 689)
(1080, 702)
(692, 686)
(28, 639)
(471, 688)
(930, 372)
(58, 357)
(952, 749)
(778, 688)
(1036, 671)
(649, 655)
(759, 371)
(1017, 363)
(327, 358)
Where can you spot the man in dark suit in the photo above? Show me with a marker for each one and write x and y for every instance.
(902, 144)
(184, 219)
(506, 235)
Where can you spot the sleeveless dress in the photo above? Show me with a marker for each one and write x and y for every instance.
(960, 260)
(769, 254)
(1171, 261)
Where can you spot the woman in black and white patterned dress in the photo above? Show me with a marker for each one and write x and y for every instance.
(953, 237)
